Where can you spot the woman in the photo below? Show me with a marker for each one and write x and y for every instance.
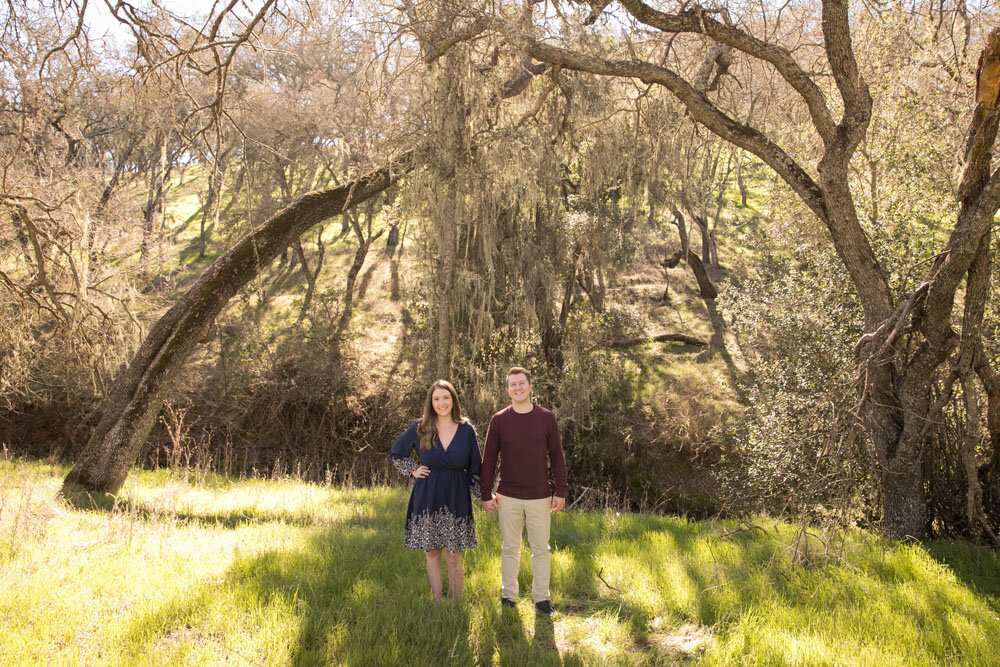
(439, 516)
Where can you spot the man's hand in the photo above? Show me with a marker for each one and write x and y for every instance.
(558, 503)
(489, 505)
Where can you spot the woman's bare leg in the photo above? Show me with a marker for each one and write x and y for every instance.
(434, 572)
(456, 576)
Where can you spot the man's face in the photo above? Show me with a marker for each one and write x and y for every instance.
(518, 387)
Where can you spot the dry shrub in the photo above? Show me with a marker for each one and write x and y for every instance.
(624, 449)
(67, 318)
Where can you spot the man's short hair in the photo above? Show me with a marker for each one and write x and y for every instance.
(517, 370)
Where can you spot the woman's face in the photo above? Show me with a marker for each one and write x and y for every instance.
(441, 400)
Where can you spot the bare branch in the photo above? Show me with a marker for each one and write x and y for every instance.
(700, 107)
(696, 19)
(600, 575)
(73, 36)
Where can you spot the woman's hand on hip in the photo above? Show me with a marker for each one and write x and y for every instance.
(421, 471)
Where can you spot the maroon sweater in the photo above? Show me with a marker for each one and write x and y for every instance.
(528, 446)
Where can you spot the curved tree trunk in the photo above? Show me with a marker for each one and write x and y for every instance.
(705, 287)
(898, 409)
(137, 394)
(681, 229)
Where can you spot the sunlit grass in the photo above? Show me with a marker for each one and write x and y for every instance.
(281, 572)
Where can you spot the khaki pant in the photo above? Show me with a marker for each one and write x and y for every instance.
(514, 514)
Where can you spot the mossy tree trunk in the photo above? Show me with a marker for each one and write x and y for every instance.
(448, 211)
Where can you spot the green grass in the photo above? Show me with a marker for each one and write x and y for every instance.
(281, 572)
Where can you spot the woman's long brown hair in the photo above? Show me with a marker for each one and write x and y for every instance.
(428, 423)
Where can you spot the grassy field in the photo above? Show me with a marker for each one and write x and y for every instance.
(254, 572)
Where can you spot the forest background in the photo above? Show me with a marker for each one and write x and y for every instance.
(746, 249)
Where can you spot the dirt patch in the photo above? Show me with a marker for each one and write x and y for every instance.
(687, 641)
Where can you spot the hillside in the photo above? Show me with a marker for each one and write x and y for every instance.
(671, 400)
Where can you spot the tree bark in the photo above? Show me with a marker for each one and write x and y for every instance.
(898, 411)
(137, 394)
(116, 177)
(311, 275)
(211, 206)
(706, 238)
(681, 229)
(705, 286)
(365, 240)
(157, 181)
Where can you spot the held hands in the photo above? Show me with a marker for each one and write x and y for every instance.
(556, 506)
(558, 503)
(421, 471)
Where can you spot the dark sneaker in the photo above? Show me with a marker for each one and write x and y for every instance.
(545, 607)
(507, 602)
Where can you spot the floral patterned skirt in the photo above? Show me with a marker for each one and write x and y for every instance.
(440, 529)
(439, 514)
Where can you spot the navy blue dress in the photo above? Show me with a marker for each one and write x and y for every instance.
(440, 511)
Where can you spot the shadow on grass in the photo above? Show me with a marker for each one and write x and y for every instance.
(587, 589)
(141, 510)
(501, 637)
(366, 277)
(336, 598)
(348, 593)
(229, 520)
(976, 567)
(717, 345)
(181, 228)
(894, 602)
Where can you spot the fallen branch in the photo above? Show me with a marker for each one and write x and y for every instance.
(661, 338)
(599, 576)
(579, 497)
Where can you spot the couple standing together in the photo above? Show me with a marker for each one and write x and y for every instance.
(524, 438)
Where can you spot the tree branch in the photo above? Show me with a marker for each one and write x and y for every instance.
(697, 20)
(73, 36)
(983, 129)
(436, 50)
(840, 53)
(696, 102)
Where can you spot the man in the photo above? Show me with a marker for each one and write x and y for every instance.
(525, 438)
